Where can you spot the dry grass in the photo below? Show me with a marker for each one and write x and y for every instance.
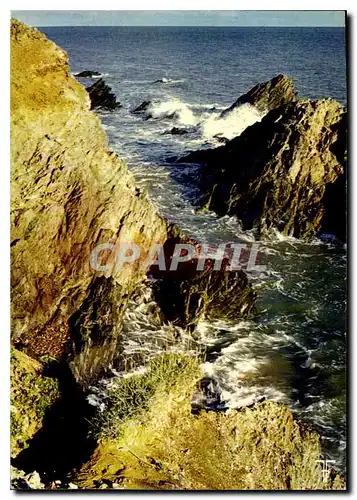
(40, 79)
(164, 446)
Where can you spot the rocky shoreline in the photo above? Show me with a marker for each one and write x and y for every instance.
(281, 172)
(69, 194)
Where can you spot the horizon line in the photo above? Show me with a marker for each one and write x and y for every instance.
(175, 26)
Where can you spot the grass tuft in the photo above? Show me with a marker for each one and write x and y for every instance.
(131, 396)
(152, 441)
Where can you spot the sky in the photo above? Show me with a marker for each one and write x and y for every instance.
(180, 18)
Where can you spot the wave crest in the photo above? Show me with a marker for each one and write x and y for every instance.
(175, 109)
(231, 125)
(210, 125)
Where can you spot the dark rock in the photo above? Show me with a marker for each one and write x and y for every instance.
(266, 96)
(281, 172)
(221, 139)
(87, 74)
(163, 80)
(178, 131)
(187, 294)
(101, 96)
(200, 156)
(142, 107)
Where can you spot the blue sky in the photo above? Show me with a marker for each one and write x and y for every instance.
(180, 18)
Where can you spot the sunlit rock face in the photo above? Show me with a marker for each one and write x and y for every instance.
(267, 96)
(69, 194)
(276, 174)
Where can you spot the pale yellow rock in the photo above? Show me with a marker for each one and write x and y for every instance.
(69, 193)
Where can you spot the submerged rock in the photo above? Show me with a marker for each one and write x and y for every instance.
(178, 131)
(221, 138)
(268, 95)
(102, 97)
(163, 80)
(87, 74)
(278, 172)
(142, 107)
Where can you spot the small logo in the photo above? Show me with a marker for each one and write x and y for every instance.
(326, 467)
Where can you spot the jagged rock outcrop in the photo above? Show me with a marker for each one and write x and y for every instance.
(268, 95)
(87, 74)
(276, 173)
(155, 442)
(191, 292)
(69, 194)
(102, 97)
(142, 107)
(178, 131)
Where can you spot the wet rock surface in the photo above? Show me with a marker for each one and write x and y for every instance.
(142, 107)
(87, 74)
(70, 193)
(102, 97)
(279, 172)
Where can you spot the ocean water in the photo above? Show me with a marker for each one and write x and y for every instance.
(294, 350)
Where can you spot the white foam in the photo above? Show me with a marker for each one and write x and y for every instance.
(176, 108)
(232, 124)
(100, 76)
(209, 125)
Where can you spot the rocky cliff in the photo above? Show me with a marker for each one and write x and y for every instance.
(69, 193)
(282, 172)
(166, 447)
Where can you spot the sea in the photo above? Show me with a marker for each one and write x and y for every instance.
(294, 349)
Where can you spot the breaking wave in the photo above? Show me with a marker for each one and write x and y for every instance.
(232, 124)
(210, 125)
(175, 109)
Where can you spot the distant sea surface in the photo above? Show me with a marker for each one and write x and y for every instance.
(294, 350)
(218, 64)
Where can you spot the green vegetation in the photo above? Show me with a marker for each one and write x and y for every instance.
(150, 440)
(131, 396)
(32, 393)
